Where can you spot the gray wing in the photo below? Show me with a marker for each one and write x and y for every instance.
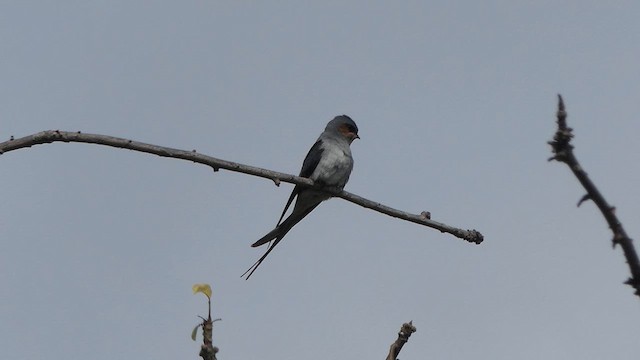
(309, 165)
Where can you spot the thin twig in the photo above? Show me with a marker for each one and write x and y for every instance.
(50, 136)
(403, 336)
(563, 152)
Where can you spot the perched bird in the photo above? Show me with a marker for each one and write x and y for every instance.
(328, 163)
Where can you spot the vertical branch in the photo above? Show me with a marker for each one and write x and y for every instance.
(563, 152)
(207, 350)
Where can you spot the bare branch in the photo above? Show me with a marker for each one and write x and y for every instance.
(207, 350)
(563, 152)
(50, 136)
(403, 336)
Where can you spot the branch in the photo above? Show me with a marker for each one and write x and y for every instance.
(403, 336)
(207, 350)
(563, 152)
(50, 136)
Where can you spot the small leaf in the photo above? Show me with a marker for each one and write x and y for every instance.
(203, 288)
(194, 333)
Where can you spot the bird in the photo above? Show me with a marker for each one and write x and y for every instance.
(328, 164)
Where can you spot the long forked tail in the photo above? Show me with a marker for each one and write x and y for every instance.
(278, 233)
(255, 265)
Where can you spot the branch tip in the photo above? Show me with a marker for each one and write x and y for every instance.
(560, 103)
(474, 236)
(403, 336)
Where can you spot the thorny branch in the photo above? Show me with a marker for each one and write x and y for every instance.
(50, 136)
(403, 336)
(563, 152)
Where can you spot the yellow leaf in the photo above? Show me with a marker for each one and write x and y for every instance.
(203, 288)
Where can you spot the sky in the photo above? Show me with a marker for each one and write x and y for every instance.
(455, 102)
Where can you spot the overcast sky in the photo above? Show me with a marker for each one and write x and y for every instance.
(455, 102)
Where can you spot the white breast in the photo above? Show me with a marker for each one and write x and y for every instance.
(335, 165)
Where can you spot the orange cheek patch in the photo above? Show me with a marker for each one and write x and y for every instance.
(345, 131)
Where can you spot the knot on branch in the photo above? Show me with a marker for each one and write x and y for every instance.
(208, 352)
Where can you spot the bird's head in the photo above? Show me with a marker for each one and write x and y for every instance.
(344, 126)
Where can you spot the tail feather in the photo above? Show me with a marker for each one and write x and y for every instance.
(278, 233)
(283, 228)
(255, 265)
(267, 238)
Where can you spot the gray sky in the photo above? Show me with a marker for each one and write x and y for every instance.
(455, 102)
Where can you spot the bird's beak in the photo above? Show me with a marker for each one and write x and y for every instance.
(356, 136)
